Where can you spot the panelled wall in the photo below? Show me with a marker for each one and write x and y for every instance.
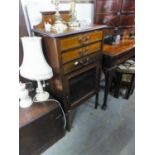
(115, 13)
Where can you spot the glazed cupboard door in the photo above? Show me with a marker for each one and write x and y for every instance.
(127, 20)
(128, 6)
(82, 85)
(108, 6)
(115, 13)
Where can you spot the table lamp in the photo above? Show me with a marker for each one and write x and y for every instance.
(34, 66)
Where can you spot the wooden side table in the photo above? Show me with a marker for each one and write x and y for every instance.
(112, 56)
(40, 126)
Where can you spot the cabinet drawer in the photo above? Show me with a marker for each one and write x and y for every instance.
(79, 40)
(77, 64)
(74, 54)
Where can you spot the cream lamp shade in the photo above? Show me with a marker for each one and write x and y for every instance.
(34, 65)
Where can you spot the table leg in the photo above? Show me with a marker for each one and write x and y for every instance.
(131, 87)
(108, 80)
(118, 85)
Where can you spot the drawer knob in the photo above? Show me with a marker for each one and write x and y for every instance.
(87, 48)
(85, 61)
(86, 51)
(80, 52)
(76, 63)
(80, 40)
(87, 39)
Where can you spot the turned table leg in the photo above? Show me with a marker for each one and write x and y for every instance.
(108, 80)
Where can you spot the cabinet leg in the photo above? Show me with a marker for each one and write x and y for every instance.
(96, 100)
(68, 122)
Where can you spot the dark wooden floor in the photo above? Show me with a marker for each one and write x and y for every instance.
(98, 132)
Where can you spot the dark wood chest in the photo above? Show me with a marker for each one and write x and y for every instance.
(40, 126)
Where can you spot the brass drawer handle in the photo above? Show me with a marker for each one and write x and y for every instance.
(86, 51)
(80, 40)
(87, 39)
(87, 48)
(84, 62)
(80, 52)
(76, 63)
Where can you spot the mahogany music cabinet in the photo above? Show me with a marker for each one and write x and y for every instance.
(75, 57)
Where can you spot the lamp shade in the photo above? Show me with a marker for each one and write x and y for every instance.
(34, 65)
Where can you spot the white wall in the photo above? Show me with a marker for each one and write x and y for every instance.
(34, 7)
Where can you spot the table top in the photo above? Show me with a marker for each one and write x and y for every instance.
(37, 110)
(117, 49)
(68, 31)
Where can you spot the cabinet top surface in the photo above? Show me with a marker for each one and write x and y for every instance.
(28, 115)
(68, 31)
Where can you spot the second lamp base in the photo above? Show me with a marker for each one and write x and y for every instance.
(43, 96)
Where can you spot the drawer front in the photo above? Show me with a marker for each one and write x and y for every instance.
(77, 64)
(74, 54)
(79, 40)
(92, 37)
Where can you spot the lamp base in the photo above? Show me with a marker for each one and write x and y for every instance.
(42, 96)
(26, 102)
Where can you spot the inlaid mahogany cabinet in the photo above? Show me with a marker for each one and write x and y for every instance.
(75, 57)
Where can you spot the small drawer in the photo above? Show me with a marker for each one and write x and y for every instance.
(92, 37)
(79, 40)
(77, 64)
(74, 54)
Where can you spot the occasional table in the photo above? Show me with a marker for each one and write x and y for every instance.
(112, 56)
